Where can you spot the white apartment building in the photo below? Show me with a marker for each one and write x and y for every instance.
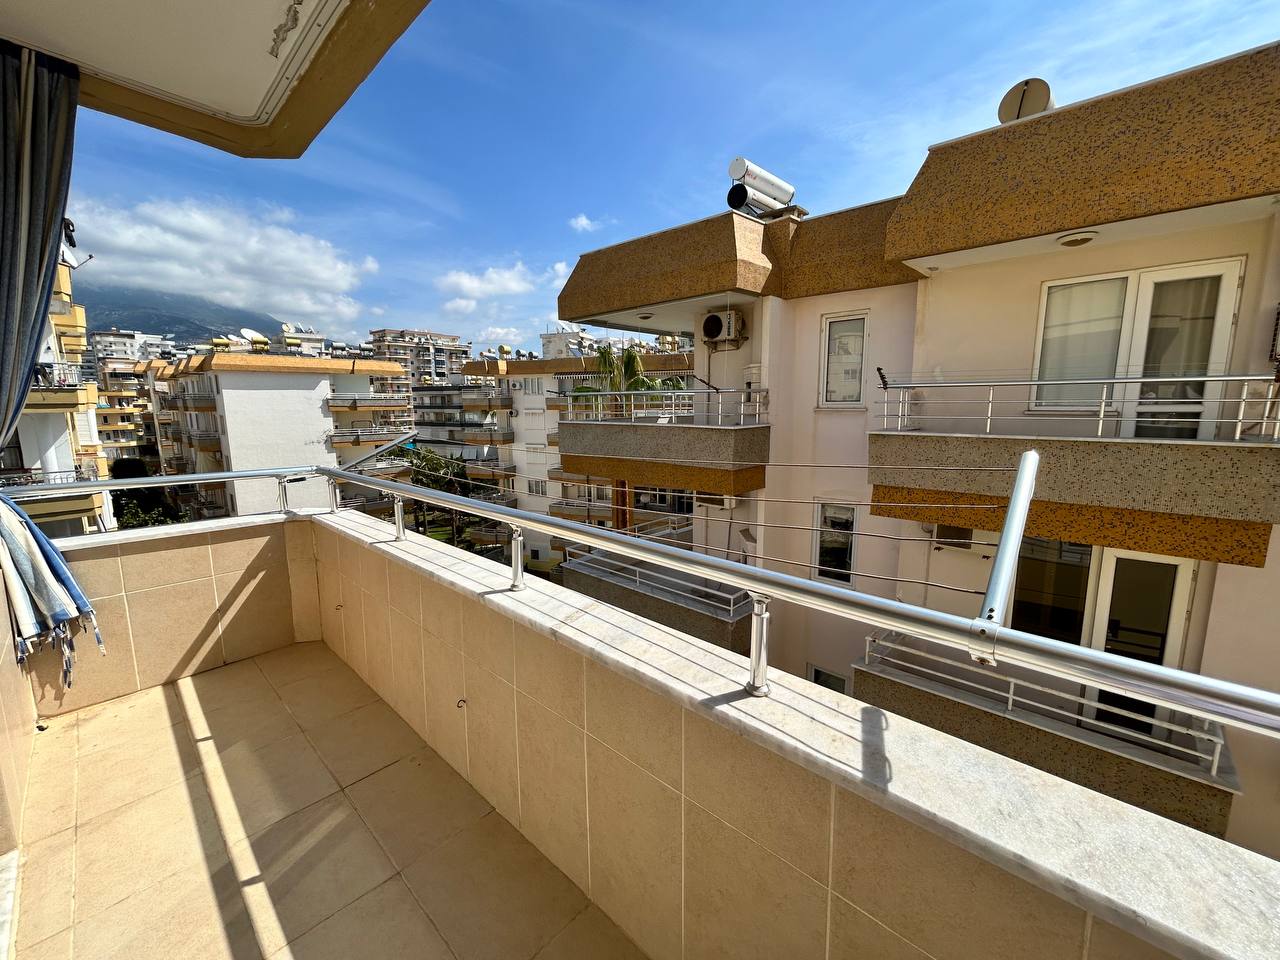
(130, 345)
(234, 411)
(883, 359)
(424, 356)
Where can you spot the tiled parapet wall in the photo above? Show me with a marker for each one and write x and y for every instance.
(177, 600)
(1233, 481)
(708, 823)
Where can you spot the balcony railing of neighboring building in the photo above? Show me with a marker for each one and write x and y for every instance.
(385, 466)
(1223, 407)
(363, 434)
(487, 436)
(489, 469)
(58, 376)
(357, 401)
(580, 510)
(714, 408)
(85, 470)
(1167, 738)
(697, 593)
(196, 401)
(507, 498)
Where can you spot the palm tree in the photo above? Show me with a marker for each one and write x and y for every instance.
(429, 469)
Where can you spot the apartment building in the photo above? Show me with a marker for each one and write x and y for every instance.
(1067, 282)
(236, 411)
(130, 345)
(513, 417)
(57, 440)
(425, 357)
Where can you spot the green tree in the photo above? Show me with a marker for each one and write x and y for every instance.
(448, 474)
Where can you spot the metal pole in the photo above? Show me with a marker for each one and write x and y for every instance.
(1004, 568)
(333, 495)
(1244, 396)
(397, 503)
(282, 494)
(1102, 409)
(758, 685)
(517, 558)
(991, 399)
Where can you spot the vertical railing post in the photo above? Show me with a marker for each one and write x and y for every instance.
(758, 685)
(397, 503)
(1244, 396)
(517, 558)
(1102, 409)
(991, 400)
(719, 409)
(333, 495)
(902, 399)
(282, 493)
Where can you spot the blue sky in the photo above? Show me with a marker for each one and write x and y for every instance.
(500, 139)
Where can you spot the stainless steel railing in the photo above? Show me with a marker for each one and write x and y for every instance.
(1208, 698)
(719, 408)
(1238, 407)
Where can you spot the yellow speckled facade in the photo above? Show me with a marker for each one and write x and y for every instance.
(1242, 542)
(788, 258)
(1208, 135)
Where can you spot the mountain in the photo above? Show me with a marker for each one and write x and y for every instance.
(190, 319)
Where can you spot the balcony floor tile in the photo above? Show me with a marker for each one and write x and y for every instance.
(210, 827)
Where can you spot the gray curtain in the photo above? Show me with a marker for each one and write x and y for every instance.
(37, 126)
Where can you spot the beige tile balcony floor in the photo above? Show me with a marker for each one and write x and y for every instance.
(276, 808)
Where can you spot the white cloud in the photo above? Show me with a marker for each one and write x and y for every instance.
(498, 334)
(377, 311)
(493, 282)
(460, 305)
(223, 253)
(557, 275)
(584, 224)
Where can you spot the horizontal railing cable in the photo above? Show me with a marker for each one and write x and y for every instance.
(1201, 696)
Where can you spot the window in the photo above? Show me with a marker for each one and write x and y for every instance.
(843, 341)
(537, 487)
(1081, 337)
(825, 678)
(833, 542)
(532, 386)
(1051, 589)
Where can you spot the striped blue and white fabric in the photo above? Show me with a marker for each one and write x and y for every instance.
(46, 604)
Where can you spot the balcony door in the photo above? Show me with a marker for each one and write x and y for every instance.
(1140, 612)
(1182, 328)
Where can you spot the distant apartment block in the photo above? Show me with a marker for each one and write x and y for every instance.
(424, 357)
(236, 411)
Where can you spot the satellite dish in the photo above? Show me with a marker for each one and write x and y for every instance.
(253, 336)
(286, 328)
(1025, 99)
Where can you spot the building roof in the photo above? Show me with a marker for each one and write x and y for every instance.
(1204, 136)
(653, 363)
(267, 363)
(789, 257)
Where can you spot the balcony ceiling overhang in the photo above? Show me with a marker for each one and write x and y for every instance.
(674, 274)
(1206, 136)
(253, 78)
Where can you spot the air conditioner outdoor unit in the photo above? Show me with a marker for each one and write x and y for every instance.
(725, 325)
(516, 385)
(515, 413)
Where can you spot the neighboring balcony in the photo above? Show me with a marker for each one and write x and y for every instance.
(59, 388)
(504, 498)
(486, 470)
(1169, 762)
(339, 402)
(580, 510)
(485, 399)
(206, 441)
(486, 436)
(196, 402)
(697, 606)
(1171, 471)
(357, 436)
(721, 438)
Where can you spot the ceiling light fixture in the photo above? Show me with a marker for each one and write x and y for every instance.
(1077, 239)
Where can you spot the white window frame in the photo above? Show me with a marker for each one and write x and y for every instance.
(1132, 339)
(537, 488)
(823, 353)
(814, 572)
